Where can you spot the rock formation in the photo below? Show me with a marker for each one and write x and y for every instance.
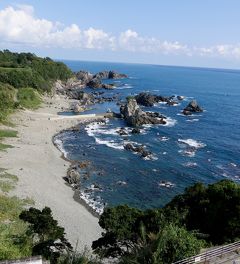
(192, 107)
(135, 116)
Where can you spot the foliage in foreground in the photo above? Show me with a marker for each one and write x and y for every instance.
(201, 215)
(14, 242)
(171, 244)
(48, 238)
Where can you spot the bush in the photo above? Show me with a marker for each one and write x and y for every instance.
(28, 98)
(13, 240)
(7, 101)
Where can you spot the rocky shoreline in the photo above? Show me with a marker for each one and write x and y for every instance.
(130, 111)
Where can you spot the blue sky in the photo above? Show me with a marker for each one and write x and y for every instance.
(173, 32)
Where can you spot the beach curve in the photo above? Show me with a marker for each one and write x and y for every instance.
(40, 169)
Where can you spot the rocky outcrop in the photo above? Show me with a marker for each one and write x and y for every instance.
(192, 107)
(138, 149)
(102, 75)
(180, 97)
(73, 175)
(135, 130)
(115, 75)
(122, 132)
(95, 81)
(135, 116)
(84, 77)
(110, 75)
(147, 99)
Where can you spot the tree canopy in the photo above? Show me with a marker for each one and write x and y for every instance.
(202, 215)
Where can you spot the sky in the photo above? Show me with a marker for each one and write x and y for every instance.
(201, 33)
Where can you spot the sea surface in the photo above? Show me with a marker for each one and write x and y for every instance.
(203, 147)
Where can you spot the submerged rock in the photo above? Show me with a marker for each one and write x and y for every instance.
(180, 97)
(122, 132)
(136, 130)
(192, 107)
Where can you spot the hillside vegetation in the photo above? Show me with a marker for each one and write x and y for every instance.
(24, 77)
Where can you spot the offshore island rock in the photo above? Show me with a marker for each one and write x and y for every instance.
(192, 107)
(135, 116)
(147, 99)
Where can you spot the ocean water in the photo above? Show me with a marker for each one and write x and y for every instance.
(201, 148)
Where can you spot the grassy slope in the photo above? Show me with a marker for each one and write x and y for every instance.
(13, 240)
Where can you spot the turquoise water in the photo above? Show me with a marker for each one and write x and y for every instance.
(204, 147)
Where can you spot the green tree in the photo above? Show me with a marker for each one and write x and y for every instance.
(120, 224)
(171, 244)
(213, 210)
(48, 237)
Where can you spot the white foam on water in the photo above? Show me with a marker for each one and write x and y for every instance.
(125, 86)
(192, 143)
(151, 157)
(59, 145)
(190, 164)
(96, 205)
(164, 138)
(109, 143)
(192, 120)
(188, 152)
(170, 122)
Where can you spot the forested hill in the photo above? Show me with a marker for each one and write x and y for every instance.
(23, 77)
(28, 70)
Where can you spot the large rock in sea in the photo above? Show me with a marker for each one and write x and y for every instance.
(147, 99)
(110, 75)
(84, 77)
(115, 75)
(192, 107)
(135, 116)
(95, 83)
(102, 75)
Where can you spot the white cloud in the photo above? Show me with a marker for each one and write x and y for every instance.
(20, 25)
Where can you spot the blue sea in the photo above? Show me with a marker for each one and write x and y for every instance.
(203, 147)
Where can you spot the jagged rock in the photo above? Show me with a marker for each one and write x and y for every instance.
(102, 75)
(138, 149)
(77, 108)
(147, 99)
(180, 97)
(86, 98)
(109, 75)
(108, 86)
(135, 130)
(134, 116)
(73, 176)
(95, 83)
(115, 75)
(122, 132)
(192, 107)
(84, 76)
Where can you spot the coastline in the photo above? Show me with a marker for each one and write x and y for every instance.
(40, 168)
